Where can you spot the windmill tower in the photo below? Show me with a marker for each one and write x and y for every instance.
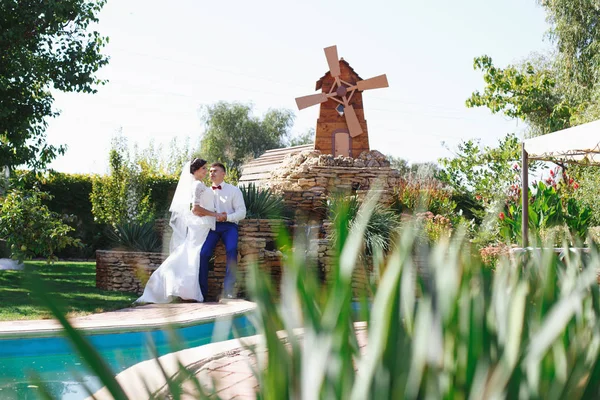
(341, 126)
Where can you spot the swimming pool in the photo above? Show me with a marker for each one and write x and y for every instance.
(55, 361)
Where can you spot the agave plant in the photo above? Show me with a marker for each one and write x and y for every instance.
(135, 236)
(381, 225)
(261, 203)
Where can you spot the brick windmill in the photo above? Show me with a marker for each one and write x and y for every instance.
(341, 126)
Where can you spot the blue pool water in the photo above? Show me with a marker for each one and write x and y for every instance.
(55, 361)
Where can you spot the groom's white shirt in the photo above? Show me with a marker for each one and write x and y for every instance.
(229, 199)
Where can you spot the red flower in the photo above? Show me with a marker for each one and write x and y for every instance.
(551, 172)
(571, 181)
(501, 216)
(576, 185)
(478, 197)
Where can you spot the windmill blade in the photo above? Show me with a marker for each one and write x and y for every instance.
(373, 83)
(310, 100)
(352, 121)
(333, 60)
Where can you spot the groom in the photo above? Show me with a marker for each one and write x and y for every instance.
(229, 204)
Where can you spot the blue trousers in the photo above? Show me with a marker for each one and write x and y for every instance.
(228, 233)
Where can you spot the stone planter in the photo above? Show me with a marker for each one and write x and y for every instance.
(129, 271)
(125, 271)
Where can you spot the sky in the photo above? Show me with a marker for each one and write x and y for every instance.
(168, 59)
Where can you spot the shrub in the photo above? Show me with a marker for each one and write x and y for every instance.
(419, 195)
(29, 228)
(135, 236)
(261, 203)
(551, 204)
(381, 225)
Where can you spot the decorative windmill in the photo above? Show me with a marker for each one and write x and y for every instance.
(341, 127)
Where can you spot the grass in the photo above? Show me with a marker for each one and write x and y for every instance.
(71, 284)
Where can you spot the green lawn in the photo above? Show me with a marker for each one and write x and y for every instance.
(72, 284)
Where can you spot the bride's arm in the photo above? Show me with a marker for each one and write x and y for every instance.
(199, 188)
(203, 212)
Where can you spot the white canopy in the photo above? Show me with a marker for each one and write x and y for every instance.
(579, 144)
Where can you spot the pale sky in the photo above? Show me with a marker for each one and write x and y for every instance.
(169, 58)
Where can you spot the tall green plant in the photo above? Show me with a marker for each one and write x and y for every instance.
(261, 203)
(123, 195)
(551, 204)
(529, 329)
(523, 331)
(135, 236)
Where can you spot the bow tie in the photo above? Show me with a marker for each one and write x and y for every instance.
(216, 187)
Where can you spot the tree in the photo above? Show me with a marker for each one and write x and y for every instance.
(43, 45)
(307, 137)
(233, 135)
(164, 161)
(529, 92)
(575, 29)
(399, 164)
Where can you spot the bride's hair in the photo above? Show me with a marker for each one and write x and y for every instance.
(196, 164)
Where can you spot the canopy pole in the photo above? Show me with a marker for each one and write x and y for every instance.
(524, 196)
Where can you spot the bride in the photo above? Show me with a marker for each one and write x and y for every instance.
(177, 276)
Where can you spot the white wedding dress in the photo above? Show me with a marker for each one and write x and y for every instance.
(177, 276)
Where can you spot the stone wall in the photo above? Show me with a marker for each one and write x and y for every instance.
(125, 271)
(129, 271)
(306, 179)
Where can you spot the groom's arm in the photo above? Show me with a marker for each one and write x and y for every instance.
(239, 207)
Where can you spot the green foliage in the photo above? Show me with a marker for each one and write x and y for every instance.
(399, 164)
(549, 206)
(524, 330)
(129, 193)
(524, 92)
(484, 173)
(164, 160)
(576, 33)
(69, 196)
(261, 203)
(134, 236)
(233, 135)
(307, 137)
(435, 227)
(29, 228)
(44, 45)
(382, 223)
(429, 194)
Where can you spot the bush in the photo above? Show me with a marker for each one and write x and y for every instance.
(261, 203)
(135, 236)
(382, 223)
(419, 195)
(29, 228)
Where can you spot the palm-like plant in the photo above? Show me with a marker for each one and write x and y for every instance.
(135, 236)
(262, 203)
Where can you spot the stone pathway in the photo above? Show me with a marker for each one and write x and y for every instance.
(132, 319)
